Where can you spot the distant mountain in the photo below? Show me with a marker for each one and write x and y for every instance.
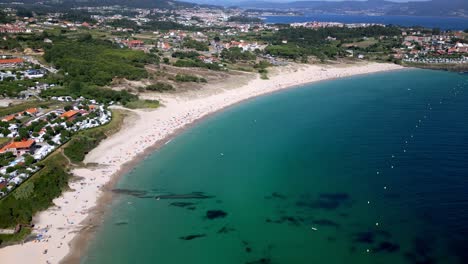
(371, 7)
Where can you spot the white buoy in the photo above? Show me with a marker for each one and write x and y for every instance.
(378, 172)
(385, 187)
(377, 224)
(368, 202)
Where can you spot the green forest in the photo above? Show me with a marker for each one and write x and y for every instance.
(97, 62)
(324, 43)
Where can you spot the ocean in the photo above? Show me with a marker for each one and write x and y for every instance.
(445, 23)
(367, 169)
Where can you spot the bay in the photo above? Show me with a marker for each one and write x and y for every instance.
(367, 169)
(445, 23)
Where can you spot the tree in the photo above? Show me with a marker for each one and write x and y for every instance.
(23, 133)
(197, 45)
(75, 87)
(5, 132)
(235, 54)
(28, 160)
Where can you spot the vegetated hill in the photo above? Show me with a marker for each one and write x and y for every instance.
(429, 8)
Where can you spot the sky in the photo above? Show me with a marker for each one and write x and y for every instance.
(285, 1)
(223, 2)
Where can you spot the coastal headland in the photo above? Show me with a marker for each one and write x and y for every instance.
(67, 226)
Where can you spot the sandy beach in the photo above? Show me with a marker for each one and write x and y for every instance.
(80, 210)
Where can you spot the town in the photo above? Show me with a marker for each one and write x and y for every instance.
(37, 132)
(209, 32)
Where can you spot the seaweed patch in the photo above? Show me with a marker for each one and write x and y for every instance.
(387, 247)
(135, 193)
(247, 248)
(260, 261)
(225, 230)
(191, 237)
(213, 214)
(422, 252)
(193, 195)
(181, 204)
(296, 221)
(276, 195)
(369, 237)
(327, 201)
(364, 237)
(326, 222)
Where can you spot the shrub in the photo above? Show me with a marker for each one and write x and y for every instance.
(160, 87)
(189, 78)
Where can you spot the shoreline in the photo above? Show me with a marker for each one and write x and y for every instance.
(71, 223)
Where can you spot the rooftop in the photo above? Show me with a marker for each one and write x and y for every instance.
(18, 145)
(8, 61)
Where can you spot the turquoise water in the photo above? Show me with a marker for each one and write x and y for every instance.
(376, 164)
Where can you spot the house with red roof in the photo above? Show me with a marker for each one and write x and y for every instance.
(9, 63)
(164, 45)
(19, 148)
(135, 43)
(9, 118)
(29, 111)
(70, 115)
